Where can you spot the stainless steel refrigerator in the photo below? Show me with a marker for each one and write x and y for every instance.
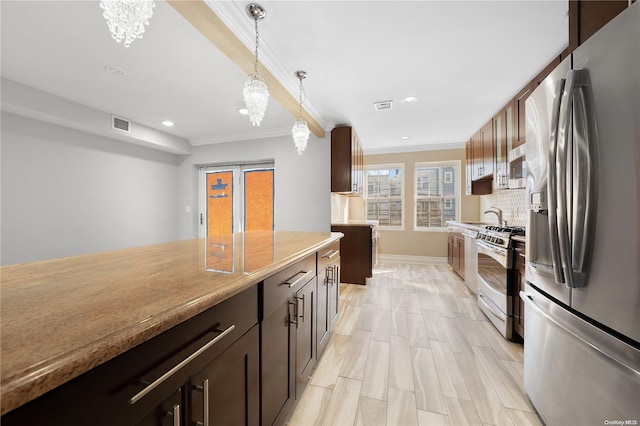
(582, 298)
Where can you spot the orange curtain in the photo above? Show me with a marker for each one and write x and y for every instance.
(258, 200)
(219, 203)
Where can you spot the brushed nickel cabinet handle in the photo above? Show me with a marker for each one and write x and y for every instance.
(205, 402)
(296, 279)
(137, 397)
(330, 254)
(297, 300)
(175, 414)
(295, 312)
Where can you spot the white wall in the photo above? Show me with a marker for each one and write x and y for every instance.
(67, 192)
(302, 183)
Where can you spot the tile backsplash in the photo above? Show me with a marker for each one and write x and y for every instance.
(339, 208)
(512, 202)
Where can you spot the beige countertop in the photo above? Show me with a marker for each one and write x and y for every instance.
(473, 226)
(62, 317)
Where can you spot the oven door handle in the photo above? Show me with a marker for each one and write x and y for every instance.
(501, 317)
(499, 255)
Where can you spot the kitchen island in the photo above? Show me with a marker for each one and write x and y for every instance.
(61, 318)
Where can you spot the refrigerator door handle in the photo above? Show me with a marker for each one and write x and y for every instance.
(563, 188)
(551, 183)
(585, 172)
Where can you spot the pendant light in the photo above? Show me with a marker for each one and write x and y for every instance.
(300, 130)
(127, 18)
(255, 93)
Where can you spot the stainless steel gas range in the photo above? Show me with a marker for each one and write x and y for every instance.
(495, 278)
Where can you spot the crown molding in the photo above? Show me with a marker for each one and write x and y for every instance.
(226, 26)
(414, 148)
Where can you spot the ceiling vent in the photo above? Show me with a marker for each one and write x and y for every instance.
(383, 106)
(120, 124)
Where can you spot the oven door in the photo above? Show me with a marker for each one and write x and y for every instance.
(493, 298)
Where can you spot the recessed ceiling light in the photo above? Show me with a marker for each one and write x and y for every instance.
(242, 111)
(409, 99)
(404, 137)
(167, 123)
(114, 70)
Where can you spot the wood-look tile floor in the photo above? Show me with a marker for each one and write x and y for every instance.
(412, 348)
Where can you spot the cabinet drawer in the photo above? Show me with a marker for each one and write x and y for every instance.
(103, 396)
(279, 287)
(328, 255)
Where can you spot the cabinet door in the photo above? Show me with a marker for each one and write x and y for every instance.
(500, 179)
(322, 310)
(519, 121)
(334, 293)
(305, 335)
(460, 241)
(168, 413)
(278, 363)
(341, 160)
(486, 137)
(476, 146)
(227, 391)
(519, 282)
(450, 243)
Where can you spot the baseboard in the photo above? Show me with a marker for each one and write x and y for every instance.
(425, 260)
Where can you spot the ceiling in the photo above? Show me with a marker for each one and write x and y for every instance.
(462, 59)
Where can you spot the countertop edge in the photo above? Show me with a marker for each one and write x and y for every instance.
(27, 385)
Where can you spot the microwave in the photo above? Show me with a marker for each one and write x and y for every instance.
(517, 167)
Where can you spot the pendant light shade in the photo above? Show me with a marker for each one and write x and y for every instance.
(256, 98)
(256, 93)
(300, 130)
(127, 18)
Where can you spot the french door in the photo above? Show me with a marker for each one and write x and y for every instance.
(236, 198)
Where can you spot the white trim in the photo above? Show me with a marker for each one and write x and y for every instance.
(414, 148)
(422, 260)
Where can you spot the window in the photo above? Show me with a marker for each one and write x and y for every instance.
(437, 195)
(384, 195)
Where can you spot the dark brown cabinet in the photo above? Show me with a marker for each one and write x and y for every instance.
(357, 251)
(288, 338)
(347, 161)
(455, 252)
(226, 391)
(588, 16)
(155, 383)
(481, 147)
(519, 122)
(501, 172)
(328, 294)
(519, 282)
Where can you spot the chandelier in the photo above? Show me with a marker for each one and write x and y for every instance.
(300, 131)
(127, 18)
(255, 93)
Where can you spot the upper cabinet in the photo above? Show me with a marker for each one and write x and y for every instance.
(347, 161)
(503, 143)
(482, 153)
(519, 122)
(587, 17)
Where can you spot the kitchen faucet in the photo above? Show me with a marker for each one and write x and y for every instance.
(499, 214)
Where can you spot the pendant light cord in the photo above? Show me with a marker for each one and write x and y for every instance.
(257, 42)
